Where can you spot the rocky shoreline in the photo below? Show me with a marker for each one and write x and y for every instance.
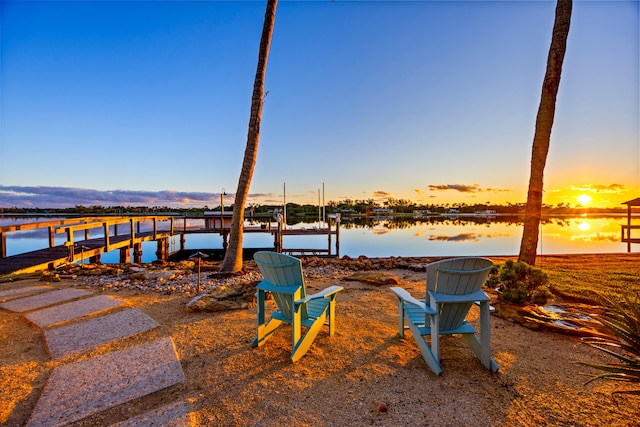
(215, 291)
(182, 277)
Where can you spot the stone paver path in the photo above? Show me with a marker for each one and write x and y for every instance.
(174, 415)
(87, 335)
(72, 310)
(78, 390)
(44, 299)
(20, 292)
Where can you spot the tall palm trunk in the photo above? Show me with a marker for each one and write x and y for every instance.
(542, 136)
(233, 256)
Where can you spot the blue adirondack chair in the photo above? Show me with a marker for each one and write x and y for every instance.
(283, 278)
(453, 286)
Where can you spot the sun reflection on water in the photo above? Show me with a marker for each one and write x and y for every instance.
(584, 226)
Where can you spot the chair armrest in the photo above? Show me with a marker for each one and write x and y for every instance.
(325, 293)
(408, 299)
(447, 298)
(266, 286)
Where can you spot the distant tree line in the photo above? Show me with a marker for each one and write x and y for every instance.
(346, 207)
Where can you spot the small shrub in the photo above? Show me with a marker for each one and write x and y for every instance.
(518, 282)
(542, 295)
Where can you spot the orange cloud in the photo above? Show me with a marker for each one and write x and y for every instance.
(380, 193)
(464, 188)
(598, 188)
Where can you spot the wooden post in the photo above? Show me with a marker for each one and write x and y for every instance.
(133, 228)
(3, 245)
(86, 234)
(629, 227)
(125, 255)
(162, 248)
(155, 228)
(95, 259)
(137, 253)
(277, 240)
(337, 237)
(52, 239)
(71, 256)
(105, 226)
(70, 241)
(329, 235)
(183, 242)
(198, 285)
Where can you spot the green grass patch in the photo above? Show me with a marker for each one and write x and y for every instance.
(585, 284)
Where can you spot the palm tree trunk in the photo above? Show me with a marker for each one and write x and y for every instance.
(542, 136)
(233, 256)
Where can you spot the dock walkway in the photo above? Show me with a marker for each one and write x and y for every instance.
(50, 258)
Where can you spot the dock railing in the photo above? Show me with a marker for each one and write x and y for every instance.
(106, 225)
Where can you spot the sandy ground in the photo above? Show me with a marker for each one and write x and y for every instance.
(342, 379)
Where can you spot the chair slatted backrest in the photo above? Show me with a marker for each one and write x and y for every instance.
(282, 270)
(456, 276)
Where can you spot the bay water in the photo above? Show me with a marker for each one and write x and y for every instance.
(457, 235)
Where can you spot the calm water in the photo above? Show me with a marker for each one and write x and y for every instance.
(435, 236)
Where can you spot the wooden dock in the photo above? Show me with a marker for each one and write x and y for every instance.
(50, 258)
(74, 250)
(88, 248)
(626, 229)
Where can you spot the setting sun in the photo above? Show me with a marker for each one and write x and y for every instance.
(584, 199)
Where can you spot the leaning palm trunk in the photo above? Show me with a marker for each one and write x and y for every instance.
(233, 256)
(542, 136)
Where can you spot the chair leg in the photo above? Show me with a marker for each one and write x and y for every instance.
(331, 317)
(485, 333)
(401, 317)
(425, 349)
(482, 347)
(478, 348)
(303, 344)
(265, 331)
(434, 322)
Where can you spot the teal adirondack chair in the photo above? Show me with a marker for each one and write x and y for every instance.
(453, 286)
(284, 279)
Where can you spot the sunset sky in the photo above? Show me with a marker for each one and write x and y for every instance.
(147, 102)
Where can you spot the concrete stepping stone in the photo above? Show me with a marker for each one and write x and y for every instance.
(72, 310)
(89, 334)
(175, 415)
(82, 389)
(44, 300)
(20, 292)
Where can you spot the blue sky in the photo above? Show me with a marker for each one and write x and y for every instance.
(147, 102)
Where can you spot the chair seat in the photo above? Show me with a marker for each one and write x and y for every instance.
(315, 309)
(417, 317)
